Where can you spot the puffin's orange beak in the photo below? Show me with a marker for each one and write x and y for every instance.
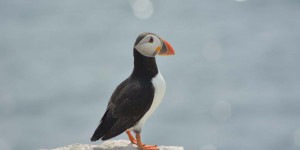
(166, 49)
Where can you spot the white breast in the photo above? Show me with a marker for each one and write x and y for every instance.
(160, 88)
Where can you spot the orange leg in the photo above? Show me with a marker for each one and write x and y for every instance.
(131, 138)
(142, 146)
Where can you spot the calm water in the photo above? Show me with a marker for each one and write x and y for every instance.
(232, 85)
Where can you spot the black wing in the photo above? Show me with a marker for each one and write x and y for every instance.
(128, 104)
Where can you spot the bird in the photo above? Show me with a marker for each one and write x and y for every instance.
(136, 98)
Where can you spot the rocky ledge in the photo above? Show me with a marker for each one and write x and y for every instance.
(112, 145)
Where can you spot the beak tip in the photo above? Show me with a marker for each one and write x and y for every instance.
(170, 50)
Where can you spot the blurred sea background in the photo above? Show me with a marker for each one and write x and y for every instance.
(232, 85)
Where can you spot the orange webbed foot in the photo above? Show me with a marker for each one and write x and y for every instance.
(142, 146)
(148, 147)
(139, 143)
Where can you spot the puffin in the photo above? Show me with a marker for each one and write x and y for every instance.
(137, 97)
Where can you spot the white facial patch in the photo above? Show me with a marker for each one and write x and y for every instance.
(148, 46)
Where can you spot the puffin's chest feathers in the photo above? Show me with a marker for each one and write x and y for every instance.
(159, 85)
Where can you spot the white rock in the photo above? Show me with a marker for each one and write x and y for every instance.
(111, 145)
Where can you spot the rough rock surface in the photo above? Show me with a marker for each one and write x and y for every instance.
(111, 145)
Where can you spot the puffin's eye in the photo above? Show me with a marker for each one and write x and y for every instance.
(151, 40)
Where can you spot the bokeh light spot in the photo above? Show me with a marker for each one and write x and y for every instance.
(221, 110)
(142, 9)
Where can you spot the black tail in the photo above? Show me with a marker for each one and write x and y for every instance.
(99, 133)
(105, 125)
